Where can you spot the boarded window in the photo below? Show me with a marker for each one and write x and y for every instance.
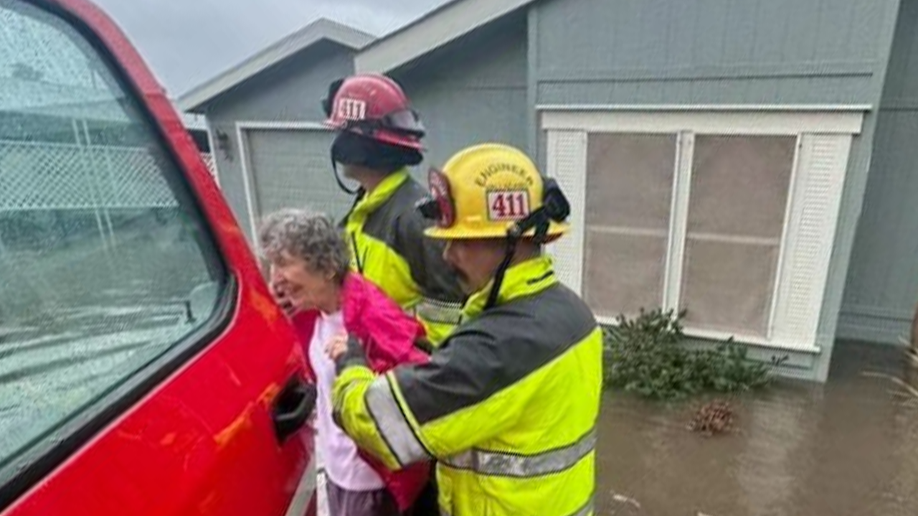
(628, 205)
(736, 214)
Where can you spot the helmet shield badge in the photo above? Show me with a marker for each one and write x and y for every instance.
(439, 205)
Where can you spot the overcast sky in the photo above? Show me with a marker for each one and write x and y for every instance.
(186, 42)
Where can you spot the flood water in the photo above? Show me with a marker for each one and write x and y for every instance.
(849, 447)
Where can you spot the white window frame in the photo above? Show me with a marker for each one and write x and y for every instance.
(824, 137)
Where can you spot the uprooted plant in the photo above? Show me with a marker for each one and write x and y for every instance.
(647, 355)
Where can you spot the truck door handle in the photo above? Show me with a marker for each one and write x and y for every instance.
(292, 407)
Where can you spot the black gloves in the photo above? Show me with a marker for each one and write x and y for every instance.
(354, 356)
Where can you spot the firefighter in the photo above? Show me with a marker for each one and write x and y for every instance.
(379, 137)
(508, 404)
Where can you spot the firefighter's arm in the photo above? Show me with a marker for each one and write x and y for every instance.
(466, 394)
(354, 417)
(350, 409)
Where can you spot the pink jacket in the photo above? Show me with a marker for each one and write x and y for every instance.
(389, 336)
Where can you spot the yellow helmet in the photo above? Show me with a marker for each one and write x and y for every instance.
(486, 189)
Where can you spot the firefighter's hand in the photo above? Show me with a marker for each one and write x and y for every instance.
(346, 351)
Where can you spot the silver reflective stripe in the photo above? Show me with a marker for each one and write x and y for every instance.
(391, 423)
(586, 510)
(513, 465)
(438, 311)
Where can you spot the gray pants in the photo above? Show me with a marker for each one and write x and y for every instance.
(342, 502)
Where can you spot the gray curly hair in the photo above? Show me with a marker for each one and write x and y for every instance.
(305, 234)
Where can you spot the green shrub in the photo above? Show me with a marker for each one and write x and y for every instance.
(647, 356)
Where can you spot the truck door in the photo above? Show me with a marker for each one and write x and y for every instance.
(144, 369)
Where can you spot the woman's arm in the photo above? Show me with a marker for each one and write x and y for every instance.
(388, 334)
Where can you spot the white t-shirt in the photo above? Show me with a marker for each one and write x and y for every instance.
(339, 453)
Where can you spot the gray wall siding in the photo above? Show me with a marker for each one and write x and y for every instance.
(289, 93)
(852, 200)
(882, 286)
(726, 52)
(707, 51)
(473, 91)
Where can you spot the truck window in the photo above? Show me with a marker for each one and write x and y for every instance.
(105, 263)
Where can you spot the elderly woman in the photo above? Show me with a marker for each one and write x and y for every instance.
(310, 277)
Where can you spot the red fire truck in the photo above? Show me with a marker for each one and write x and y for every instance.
(144, 368)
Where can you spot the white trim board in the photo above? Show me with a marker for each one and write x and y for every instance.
(705, 107)
(321, 29)
(816, 193)
(567, 150)
(820, 165)
(673, 120)
(716, 336)
(431, 31)
(282, 126)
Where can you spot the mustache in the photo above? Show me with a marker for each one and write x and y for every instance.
(455, 271)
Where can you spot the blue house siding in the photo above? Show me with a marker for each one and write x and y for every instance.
(882, 286)
(289, 92)
(708, 51)
(694, 52)
(724, 52)
(472, 91)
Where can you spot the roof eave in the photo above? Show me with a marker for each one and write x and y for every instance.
(322, 29)
(439, 27)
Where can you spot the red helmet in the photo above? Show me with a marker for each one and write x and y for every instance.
(374, 106)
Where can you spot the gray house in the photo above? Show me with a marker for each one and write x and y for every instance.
(751, 161)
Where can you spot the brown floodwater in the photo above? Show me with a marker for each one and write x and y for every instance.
(849, 447)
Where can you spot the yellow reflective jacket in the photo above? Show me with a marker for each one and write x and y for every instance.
(507, 405)
(388, 247)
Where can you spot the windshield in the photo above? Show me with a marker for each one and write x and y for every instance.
(104, 261)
